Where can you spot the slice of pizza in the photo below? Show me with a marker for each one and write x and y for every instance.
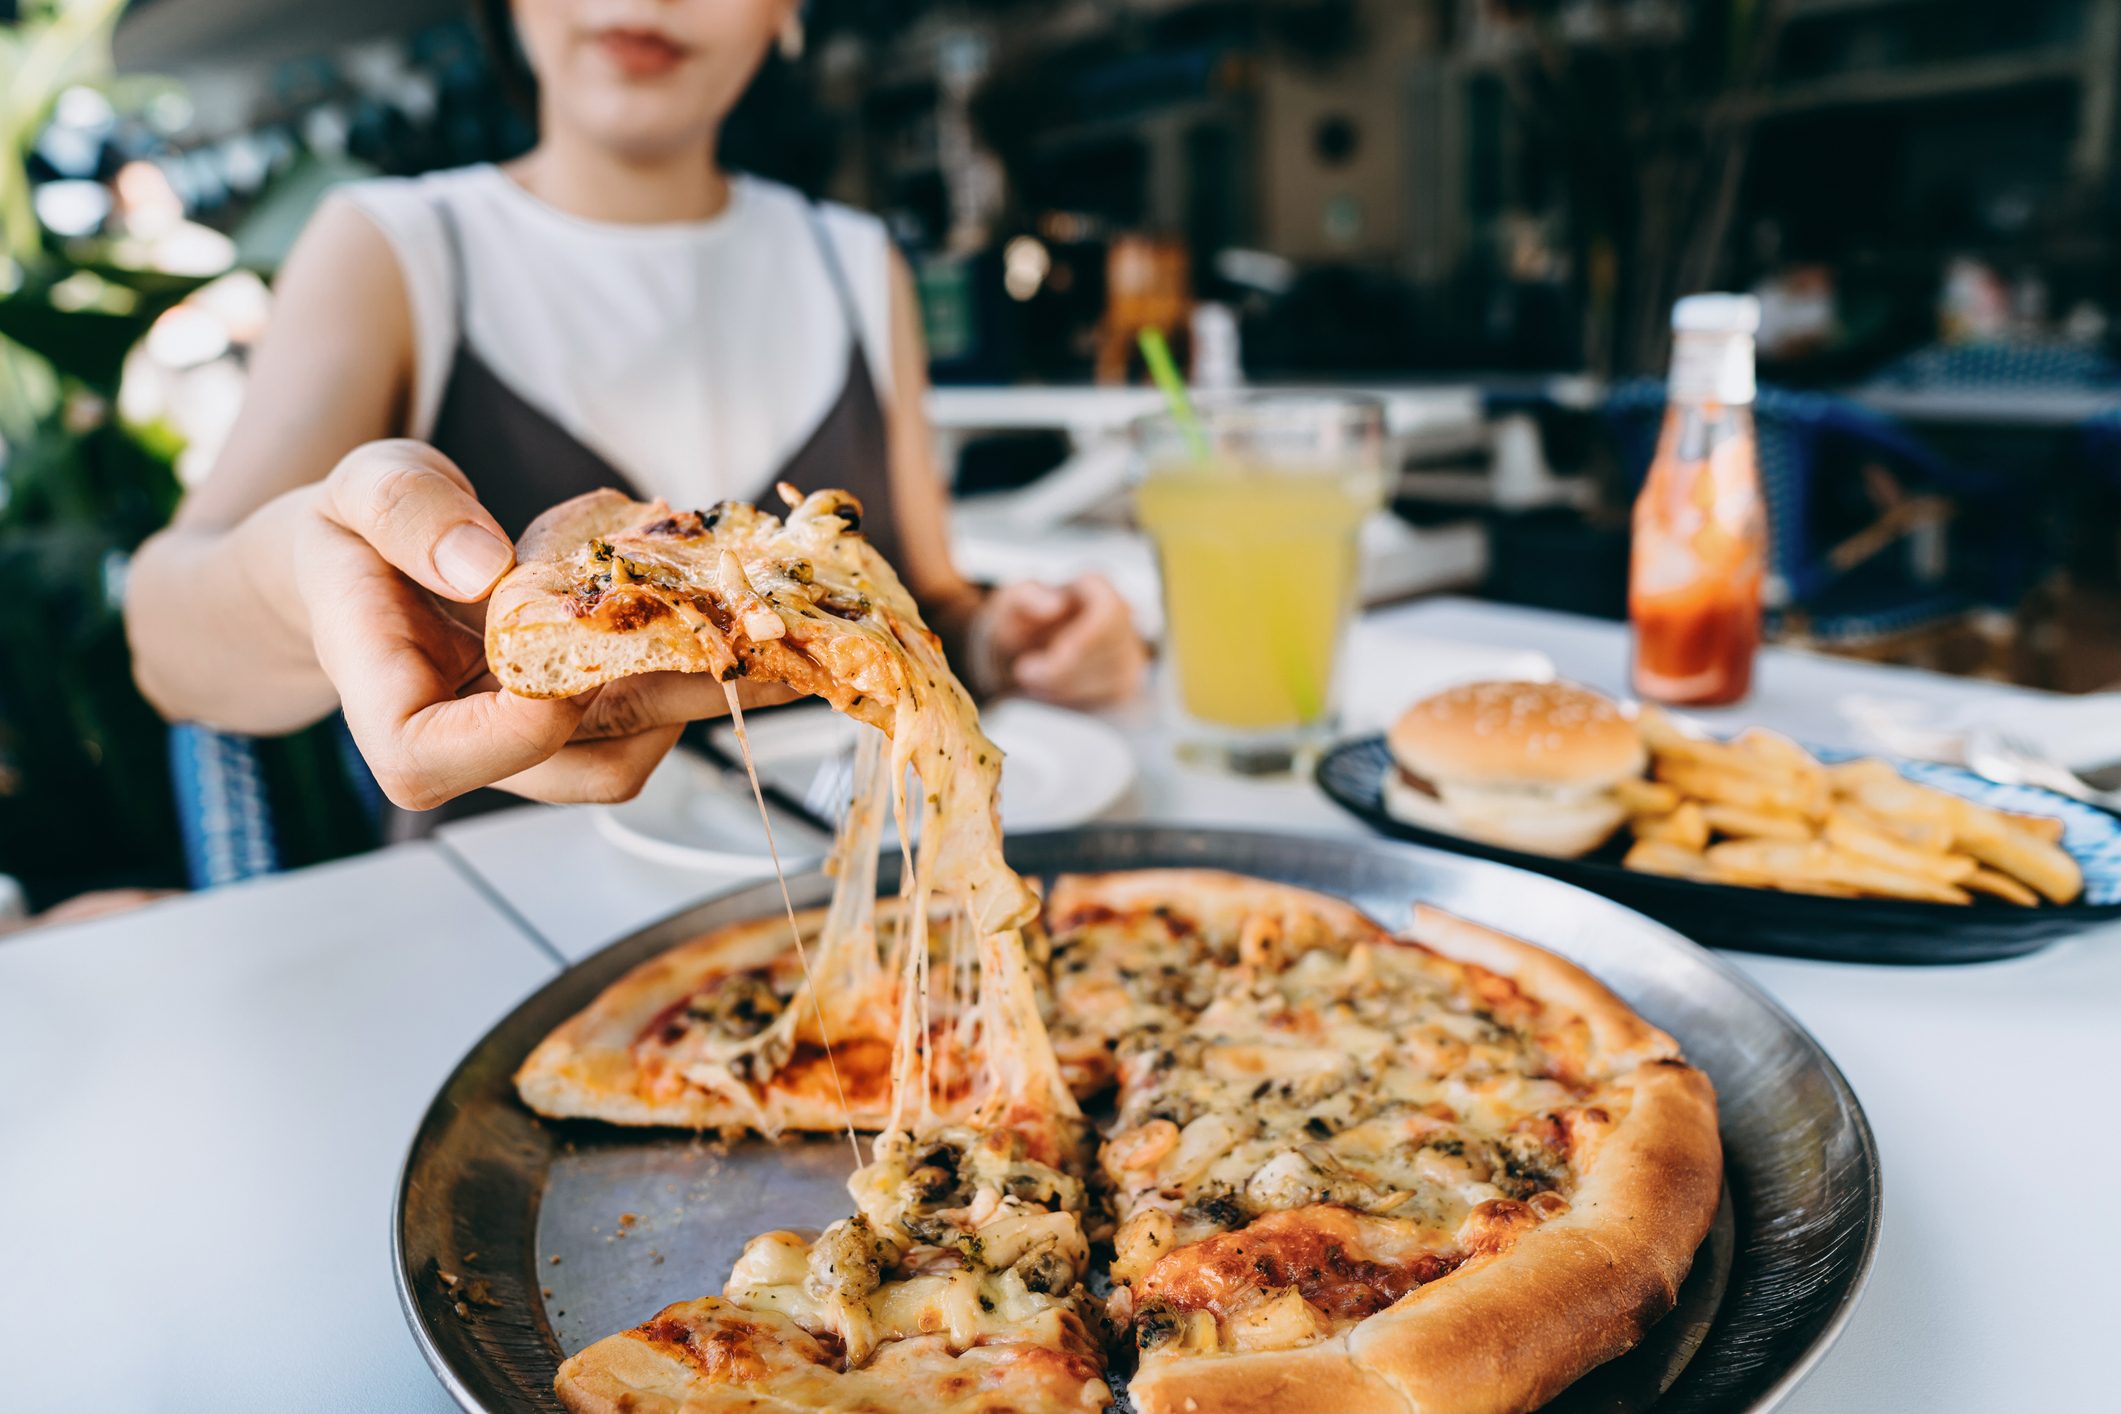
(719, 1034)
(957, 1287)
(1135, 956)
(606, 587)
(958, 1284)
(1445, 1172)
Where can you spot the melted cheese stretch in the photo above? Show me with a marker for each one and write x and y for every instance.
(815, 585)
(967, 1233)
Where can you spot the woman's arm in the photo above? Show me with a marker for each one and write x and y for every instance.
(218, 635)
(922, 510)
(1074, 644)
(321, 567)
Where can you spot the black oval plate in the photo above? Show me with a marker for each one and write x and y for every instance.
(1795, 925)
(490, 1193)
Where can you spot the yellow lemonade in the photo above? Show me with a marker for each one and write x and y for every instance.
(1259, 569)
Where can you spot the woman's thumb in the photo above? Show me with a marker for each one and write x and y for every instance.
(417, 509)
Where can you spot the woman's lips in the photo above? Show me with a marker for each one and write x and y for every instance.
(641, 53)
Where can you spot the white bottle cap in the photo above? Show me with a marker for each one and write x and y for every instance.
(1716, 314)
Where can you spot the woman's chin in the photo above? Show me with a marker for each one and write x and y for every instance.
(641, 125)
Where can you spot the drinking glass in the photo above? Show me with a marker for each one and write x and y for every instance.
(1254, 508)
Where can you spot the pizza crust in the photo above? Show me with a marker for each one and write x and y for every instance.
(1620, 1039)
(709, 1356)
(1329, 1377)
(1214, 899)
(586, 1069)
(537, 647)
(762, 1356)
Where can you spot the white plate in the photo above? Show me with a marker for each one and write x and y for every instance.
(1059, 768)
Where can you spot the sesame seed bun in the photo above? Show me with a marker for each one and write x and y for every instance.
(1525, 765)
(1514, 734)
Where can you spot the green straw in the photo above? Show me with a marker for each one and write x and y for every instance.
(1158, 355)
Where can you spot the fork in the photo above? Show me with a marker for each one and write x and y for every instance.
(2012, 761)
(826, 796)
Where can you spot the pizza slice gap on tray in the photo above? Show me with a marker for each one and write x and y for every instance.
(957, 1284)
(1448, 1171)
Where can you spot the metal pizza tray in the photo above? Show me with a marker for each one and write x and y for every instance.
(518, 1241)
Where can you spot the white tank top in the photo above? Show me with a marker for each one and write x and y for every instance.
(695, 356)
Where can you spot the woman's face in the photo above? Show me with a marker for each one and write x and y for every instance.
(645, 77)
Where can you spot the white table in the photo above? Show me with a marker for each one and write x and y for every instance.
(302, 1024)
(203, 1109)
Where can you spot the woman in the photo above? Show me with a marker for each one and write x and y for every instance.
(451, 355)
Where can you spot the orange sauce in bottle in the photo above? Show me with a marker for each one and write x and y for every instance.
(1699, 561)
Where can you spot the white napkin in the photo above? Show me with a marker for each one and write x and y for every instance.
(2082, 733)
(1386, 672)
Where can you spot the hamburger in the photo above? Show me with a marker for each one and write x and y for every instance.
(1527, 765)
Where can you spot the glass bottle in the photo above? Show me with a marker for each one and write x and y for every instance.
(1699, 556)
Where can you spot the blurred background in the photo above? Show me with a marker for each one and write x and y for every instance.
(1480, 210)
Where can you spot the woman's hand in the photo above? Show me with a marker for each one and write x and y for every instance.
(1074, 645)
(383, 549)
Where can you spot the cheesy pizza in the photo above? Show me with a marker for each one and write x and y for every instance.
(1434, 1170)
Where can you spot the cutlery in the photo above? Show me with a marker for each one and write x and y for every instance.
(2012, 761)
(825, 821)
(829, 790)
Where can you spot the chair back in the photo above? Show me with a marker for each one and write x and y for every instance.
(232, 828)
(1796, 434)
(2031, 365)
(2102, 447)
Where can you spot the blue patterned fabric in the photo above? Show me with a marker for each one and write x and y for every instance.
(1797, 434)
(2042, 367)
(224, 811)
(221, 806)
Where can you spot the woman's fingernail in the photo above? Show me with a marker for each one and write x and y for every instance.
(470, 558)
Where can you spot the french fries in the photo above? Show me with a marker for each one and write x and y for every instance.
(1639, 797)
(2003, 846)
(1817, 862)
(1747, 792)
(1686, 827)
(1848, 830)
(1737, 821)
(1998, 885)
(1933, 836)
(1658, 857)
(1847, 775)
(2045, 827)
(1761, 811)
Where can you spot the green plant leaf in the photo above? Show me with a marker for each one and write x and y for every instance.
(86, 344)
